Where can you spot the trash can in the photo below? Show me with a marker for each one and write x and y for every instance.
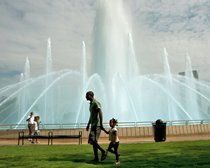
(159, 128)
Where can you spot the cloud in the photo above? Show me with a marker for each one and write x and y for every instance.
(181, 17)
(26, 25)
(179, 26)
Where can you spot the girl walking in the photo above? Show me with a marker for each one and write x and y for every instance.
(114, 140)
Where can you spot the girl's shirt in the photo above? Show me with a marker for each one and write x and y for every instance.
(113, 135)
(36, 126)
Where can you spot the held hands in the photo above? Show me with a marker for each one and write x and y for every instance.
(102, 128)
(107, 132)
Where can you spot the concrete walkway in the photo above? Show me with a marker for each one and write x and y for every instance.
(105, 140)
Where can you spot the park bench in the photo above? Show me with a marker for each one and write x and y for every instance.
(79, 136)
(49, 137)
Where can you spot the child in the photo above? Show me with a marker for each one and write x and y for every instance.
(114, 140)
(36, 127)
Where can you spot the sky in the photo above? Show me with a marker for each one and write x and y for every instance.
(25, 25)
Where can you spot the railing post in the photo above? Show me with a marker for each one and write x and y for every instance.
(50, 135)
(80, 137)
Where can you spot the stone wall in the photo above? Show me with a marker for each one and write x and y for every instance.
(123, 132)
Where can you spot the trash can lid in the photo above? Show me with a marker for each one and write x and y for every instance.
(159, 121)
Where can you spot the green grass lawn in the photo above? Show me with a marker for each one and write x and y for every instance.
(161, 155)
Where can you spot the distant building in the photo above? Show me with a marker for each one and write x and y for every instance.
(195, 74)
(208, 110)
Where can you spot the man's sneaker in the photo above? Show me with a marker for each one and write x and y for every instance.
(95, 160)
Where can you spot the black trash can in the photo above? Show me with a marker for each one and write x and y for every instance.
(159, 128)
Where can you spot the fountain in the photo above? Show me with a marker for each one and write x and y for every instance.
(126, 94)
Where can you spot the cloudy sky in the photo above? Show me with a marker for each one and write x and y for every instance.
(25, 25)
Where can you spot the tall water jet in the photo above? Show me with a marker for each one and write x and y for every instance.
(169, 88)
(111, 30)
(24, 96)
(191, 95)
(82, 107)
(27, 73)
(133, 68)
(49, 96)
(83, 66)
(49, 57)
(114, 56)
(21, 99)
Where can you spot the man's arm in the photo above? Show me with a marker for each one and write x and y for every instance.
(88, 125)
(101, 119)
(28, 118)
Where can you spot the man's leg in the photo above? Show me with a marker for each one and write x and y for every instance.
(93, 138)
(91, 141)
(95, 151)
(29, 131)
(97, 146)
(97, 135)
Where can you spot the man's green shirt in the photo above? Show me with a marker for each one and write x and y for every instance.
(94, 113)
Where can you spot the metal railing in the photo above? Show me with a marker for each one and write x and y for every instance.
(106, 125)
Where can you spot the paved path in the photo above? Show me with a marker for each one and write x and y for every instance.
(105, 140)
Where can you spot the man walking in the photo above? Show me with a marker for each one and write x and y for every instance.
(96, 122)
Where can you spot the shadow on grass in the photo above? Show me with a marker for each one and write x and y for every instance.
(160, 155)
(80, 158)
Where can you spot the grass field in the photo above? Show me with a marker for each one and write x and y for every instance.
(162, 155)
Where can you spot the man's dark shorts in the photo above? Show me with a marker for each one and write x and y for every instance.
(31, 127)
(94, 135)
